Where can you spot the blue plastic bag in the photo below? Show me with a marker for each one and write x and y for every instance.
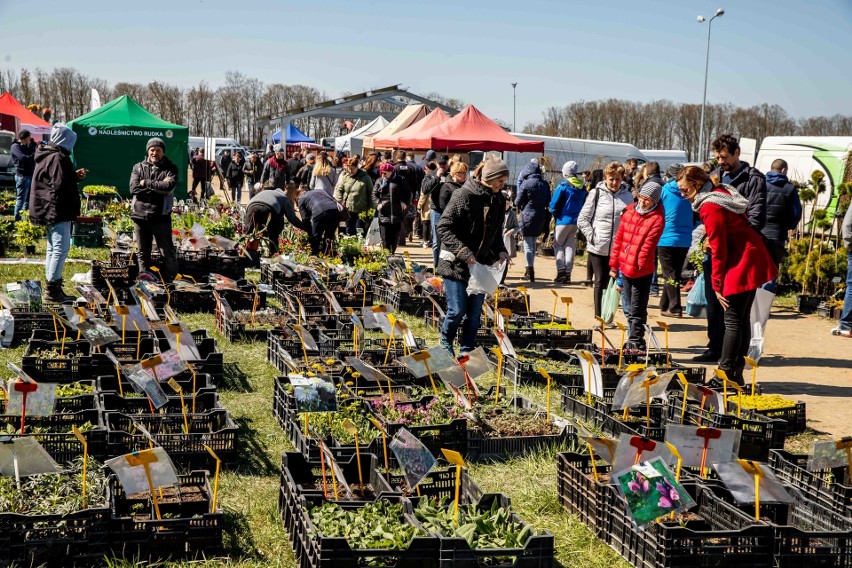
(696, 300)
(610, 302)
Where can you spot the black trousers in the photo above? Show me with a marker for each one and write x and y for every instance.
(638, 290)
(259, 216)
(600, 278)
(323, 232)
(353, 224)
(737, 334)
(426, 231)
(671, 261)
(390, 235)
(715, 313)
(195, 183)
(159, 230)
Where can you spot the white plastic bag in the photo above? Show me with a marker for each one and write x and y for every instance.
(484, 279)
(374, 234)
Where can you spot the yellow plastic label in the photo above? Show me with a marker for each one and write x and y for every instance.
(453, 457)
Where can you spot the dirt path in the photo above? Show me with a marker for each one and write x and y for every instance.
(802, 360)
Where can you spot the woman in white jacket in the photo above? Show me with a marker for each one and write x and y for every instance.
(599, 220)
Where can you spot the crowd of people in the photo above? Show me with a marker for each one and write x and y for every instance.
(633, 219)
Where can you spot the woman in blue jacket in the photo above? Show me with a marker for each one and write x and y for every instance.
(533, 197)
(674, 246)
(565, 206)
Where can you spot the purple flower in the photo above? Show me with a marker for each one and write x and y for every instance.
(640, 485)
(669, 496)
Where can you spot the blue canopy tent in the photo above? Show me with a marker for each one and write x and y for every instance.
(294, 136)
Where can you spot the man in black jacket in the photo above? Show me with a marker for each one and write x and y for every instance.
(152, 184)
(783, 210)
(23, 154)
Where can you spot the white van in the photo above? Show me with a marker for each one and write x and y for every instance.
(665, 157)
(587, 153)
(804, 154)
(211, 145)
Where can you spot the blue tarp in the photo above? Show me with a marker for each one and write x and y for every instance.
(294, 135)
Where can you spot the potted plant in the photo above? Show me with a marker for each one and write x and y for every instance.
(7, 232)
(27, 234)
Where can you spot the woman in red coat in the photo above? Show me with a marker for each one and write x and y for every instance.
(741, 262)
(634, 253)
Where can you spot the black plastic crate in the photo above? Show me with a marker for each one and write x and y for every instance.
(54, 433)
(610, 425)
(27, 322)
(302, 477)
(451, 435)
(87, 241)
(205, 401)
(723, 536)
(480, 447)
(553, 338)
(759, 433)
(415, 303)
(110, 383)
(794, 416)
(578, 491)
(119, 274)
(440, 483)
(215, 429)
(190, 531)
(60, 370)
(824, 486)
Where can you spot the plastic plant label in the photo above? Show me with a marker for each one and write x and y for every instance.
(712, 400)
(505, 343)
(603, 447)
(630, 391)
(313, 394)
(31, 457)
(337, 471)
(146, 384)
(438, 360)
(690, 445)
(356, 321)
(131, 473)
(740, 482)
(453, 377)
(307, 339)
(829, 454)
(650, 497)
(478, 363)
(97, 332)
(332, 300)
(368, 372)
(125, 321)
(187, 349)
(652, 338)
(592, 375)
(627, 451)
(165, 365)
(414, 458)
(40, 402)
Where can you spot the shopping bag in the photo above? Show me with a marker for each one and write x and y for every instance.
(374, 235)
(484, 279)
(696, 300)
(611, 301)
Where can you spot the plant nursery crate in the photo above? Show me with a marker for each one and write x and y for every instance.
(824, 486)
(110, 383)
(415, 303)
(54, 433)
(231, 263)
(759, 433)
(794, 416)
(607, 422)
(486, 448)
(440, 483)
(75, 365)
(87, 229)
(451, 435)
(455, 552)
(308, 445)
(721, 536)
(215, 429)
(88, 241)
(553, 338)
(187, 530)
(579, 492)
(315, 550)
(187, 301)
(53, 540)
(526, 372)
(204, 401)
(806, 533)
(119, 274)
(27, 322)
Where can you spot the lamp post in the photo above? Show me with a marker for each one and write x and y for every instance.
(514, 107)
(701, 19)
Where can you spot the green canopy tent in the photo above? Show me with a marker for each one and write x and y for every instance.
(112, 138)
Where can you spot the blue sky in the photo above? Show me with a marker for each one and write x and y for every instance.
(797, 54)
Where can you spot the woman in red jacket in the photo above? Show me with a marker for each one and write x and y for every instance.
(634, 252)
(741, 262)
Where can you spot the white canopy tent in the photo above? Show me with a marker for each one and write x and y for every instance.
(353, 142)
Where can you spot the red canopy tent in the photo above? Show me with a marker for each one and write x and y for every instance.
(21, 116)
(471, 130)
(431, 120)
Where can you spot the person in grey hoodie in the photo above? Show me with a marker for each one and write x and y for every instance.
(844, 327)
(55, 203)
(599, 219)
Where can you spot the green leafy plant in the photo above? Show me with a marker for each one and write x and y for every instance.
(490, 528)
(26, 233)
(100, 191)
(375, 525)
(55, 493)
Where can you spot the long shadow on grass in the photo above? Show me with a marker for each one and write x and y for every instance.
(254, 452)
(239, 542)
(235, 379)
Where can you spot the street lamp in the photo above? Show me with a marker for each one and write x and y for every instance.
(701, 19)
(514, 107)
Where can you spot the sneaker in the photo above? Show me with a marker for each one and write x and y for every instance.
(841, 332)
(707, 357)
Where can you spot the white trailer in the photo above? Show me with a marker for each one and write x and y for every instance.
(589, 154)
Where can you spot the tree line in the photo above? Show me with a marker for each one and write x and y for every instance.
(234, 108)
(664, 124)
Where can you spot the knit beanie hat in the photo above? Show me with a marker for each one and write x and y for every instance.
(386, 167)
(63, 137)
(652, 190)
(494, 168)
(569, 169)
(673, 170)
(155, 142)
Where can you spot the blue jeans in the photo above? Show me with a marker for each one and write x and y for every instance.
(846, 314)
(58, 245)
(22, 195)
(460, 307)
(434, 217)
(529, 250)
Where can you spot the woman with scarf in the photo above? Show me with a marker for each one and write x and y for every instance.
(471, 231)
(391, 197)
(633, 253)
(276, 173)
(741, 262)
